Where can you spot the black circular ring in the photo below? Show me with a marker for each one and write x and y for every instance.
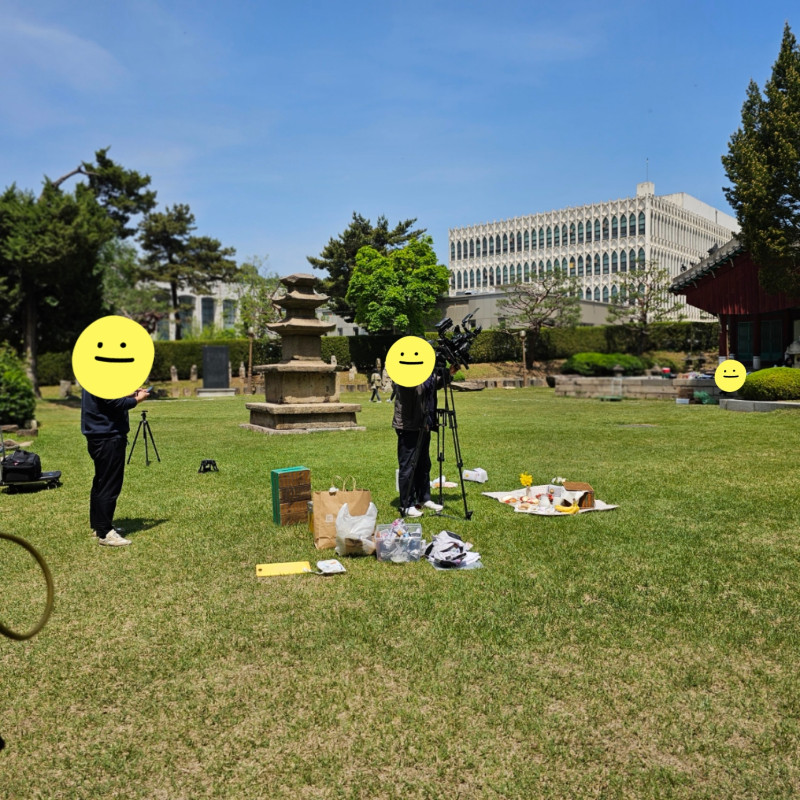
(21, 637)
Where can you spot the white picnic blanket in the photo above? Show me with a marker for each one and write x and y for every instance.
(513, 500)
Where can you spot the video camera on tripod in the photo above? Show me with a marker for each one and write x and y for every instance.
(455, 349)
(452, 350)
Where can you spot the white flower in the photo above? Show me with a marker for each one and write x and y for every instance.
(558, 481)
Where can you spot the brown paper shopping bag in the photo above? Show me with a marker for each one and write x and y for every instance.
(327, 505)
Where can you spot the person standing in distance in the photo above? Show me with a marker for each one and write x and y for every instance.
(111, 357)
(105, 425)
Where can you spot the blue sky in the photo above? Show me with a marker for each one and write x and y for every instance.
(275, 121)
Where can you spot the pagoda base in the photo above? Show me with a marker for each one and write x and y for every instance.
(302, 417)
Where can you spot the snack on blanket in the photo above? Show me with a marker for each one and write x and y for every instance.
(587, 500)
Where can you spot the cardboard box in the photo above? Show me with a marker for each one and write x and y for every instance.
(291, 491)
(587, 501)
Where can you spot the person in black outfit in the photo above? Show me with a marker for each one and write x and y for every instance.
(415, 417)
(105, 425)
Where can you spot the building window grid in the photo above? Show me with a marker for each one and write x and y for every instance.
(689, 234)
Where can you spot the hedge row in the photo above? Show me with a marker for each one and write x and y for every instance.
(489, 346)
(55, 367)
(775, 383)
(596, 364)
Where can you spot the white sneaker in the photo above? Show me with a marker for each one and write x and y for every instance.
(113, 539)
(432, 506)
(412, 511)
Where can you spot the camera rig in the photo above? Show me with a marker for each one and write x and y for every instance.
(455, 349)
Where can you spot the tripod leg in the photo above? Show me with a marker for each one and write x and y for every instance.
(441, 427)
(149, 430)
(130, 455)
(457, 450)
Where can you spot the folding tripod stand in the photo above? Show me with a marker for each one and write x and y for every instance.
(445, 418)
(144, 426)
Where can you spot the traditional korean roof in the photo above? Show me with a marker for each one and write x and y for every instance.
(706, 266)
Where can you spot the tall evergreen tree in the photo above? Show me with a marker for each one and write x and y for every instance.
(338, 257)
(175, 256)
(49, 249)
(763, 165)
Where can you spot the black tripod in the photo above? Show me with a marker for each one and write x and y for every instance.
(445, 418)
(144, 426)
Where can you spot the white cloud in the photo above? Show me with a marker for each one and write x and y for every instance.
(35, 53)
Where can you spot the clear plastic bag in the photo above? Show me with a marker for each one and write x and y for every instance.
(354, 534)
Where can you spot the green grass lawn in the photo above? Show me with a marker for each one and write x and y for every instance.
(646, 652)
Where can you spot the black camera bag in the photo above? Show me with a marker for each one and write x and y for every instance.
(21, 467)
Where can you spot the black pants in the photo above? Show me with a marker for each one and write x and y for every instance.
(375, 395)
(108, 455)
(415, 487)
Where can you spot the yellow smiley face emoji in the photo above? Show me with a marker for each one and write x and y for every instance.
(729, 375)
(112, 357)
(410, 361)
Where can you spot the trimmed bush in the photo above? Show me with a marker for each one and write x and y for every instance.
(54, 367)
(338, 346)
(775, 383)
(17, 400)
(596, 364)
(496, 345)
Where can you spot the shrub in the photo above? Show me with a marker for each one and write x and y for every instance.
(54, 367)
(594, 364)
(459, 376)
(17, 400)
(496, 345)
(338, 346)
(775, 383)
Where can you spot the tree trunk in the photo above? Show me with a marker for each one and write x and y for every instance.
(174, 288)
(30, 343)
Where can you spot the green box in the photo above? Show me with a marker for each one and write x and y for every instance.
(291, 491)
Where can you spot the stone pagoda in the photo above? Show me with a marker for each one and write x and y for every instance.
(301, 392)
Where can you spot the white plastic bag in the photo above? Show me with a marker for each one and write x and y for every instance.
(354, 534)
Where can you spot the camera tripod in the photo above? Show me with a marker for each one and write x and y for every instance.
(144, 427)
(445, 418)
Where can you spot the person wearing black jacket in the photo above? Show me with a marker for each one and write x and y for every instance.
(105, 425)
(415, 417)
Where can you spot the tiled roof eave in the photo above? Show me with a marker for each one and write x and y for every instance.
(706, 266)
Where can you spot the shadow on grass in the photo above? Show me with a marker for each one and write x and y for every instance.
(67, 402)
(138, 524)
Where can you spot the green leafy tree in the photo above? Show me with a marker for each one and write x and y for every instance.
(174, 256)
(338, 257)
(398, 290)
(49, 250)
(763, 165)
(643, 300)
(256, 290)
(549, 300)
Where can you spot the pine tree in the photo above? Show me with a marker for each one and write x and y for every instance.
(176, 257)
(339, 255)
(763, 165)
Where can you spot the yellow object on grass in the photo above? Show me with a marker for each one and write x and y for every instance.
(286, 568)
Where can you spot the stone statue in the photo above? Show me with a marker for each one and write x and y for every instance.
(333, 359)
(242, 370)
(173, 373)
(193, 373)
(352, 373)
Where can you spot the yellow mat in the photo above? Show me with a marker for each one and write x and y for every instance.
(287, 568)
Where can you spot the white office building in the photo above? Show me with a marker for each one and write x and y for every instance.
(596, 243)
